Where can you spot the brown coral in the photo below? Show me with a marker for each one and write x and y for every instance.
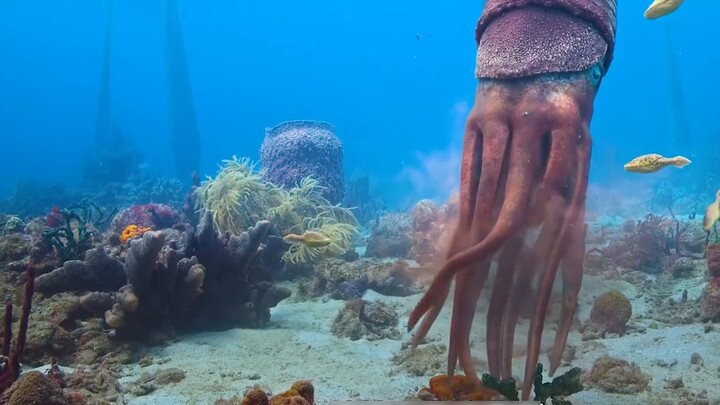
(614, 375)
(35, 388)
(611, 312)
(643, 247)
(301, 392)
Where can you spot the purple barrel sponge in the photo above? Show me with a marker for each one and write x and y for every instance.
(294, 150)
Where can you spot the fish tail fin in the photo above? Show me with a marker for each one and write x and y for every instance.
(680, 161)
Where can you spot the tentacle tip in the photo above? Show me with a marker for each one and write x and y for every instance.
(552, 369)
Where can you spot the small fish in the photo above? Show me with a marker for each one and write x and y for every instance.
(309, 238)
(712, 214)
(661, 8)
(653, 162)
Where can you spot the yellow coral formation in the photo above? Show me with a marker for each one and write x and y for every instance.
(132, 231)
(340, 236)
(238, 197)
(235, 196)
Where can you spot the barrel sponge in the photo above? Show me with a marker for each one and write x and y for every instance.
(294, 150)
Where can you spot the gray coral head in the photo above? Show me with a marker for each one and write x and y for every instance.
(154, 239)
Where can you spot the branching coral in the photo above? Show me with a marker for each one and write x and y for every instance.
(653, 244)
(644, 247)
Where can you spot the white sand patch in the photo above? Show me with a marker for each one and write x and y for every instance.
(298, 344)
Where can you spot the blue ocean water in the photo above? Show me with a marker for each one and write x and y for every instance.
(395, 78)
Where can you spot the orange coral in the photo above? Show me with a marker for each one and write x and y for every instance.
(132, 231)
(300, 393)
(457, 388)
(255, 396)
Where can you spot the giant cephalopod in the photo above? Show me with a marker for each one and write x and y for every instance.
(525, 164)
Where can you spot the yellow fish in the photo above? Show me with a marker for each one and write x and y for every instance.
(653, 162)
(712, 213)
(661, 8)
(309, 238)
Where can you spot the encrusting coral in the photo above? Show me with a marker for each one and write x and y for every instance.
(611, 374)
(132, 231)
(371, 319)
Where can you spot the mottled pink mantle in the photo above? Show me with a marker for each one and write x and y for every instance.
(518, 38)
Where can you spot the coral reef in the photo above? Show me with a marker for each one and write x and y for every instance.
(10, 357)
(642, 247)
(653, 244)
(98, 272)
(432, 227)
(213, 281)
(615, 375)
(132, 231)
(14, 246)
(710, 301)
(294, 150)
(610, 313)
(302, 392)
(457, 388)
(190, 202)
(391, 237)
(425, 360)
(238, 196)
(366, 319)
(74, 230)
(349, 280)
(35, 388)
(147, 216)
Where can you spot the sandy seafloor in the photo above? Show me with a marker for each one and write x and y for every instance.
(298, 344)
